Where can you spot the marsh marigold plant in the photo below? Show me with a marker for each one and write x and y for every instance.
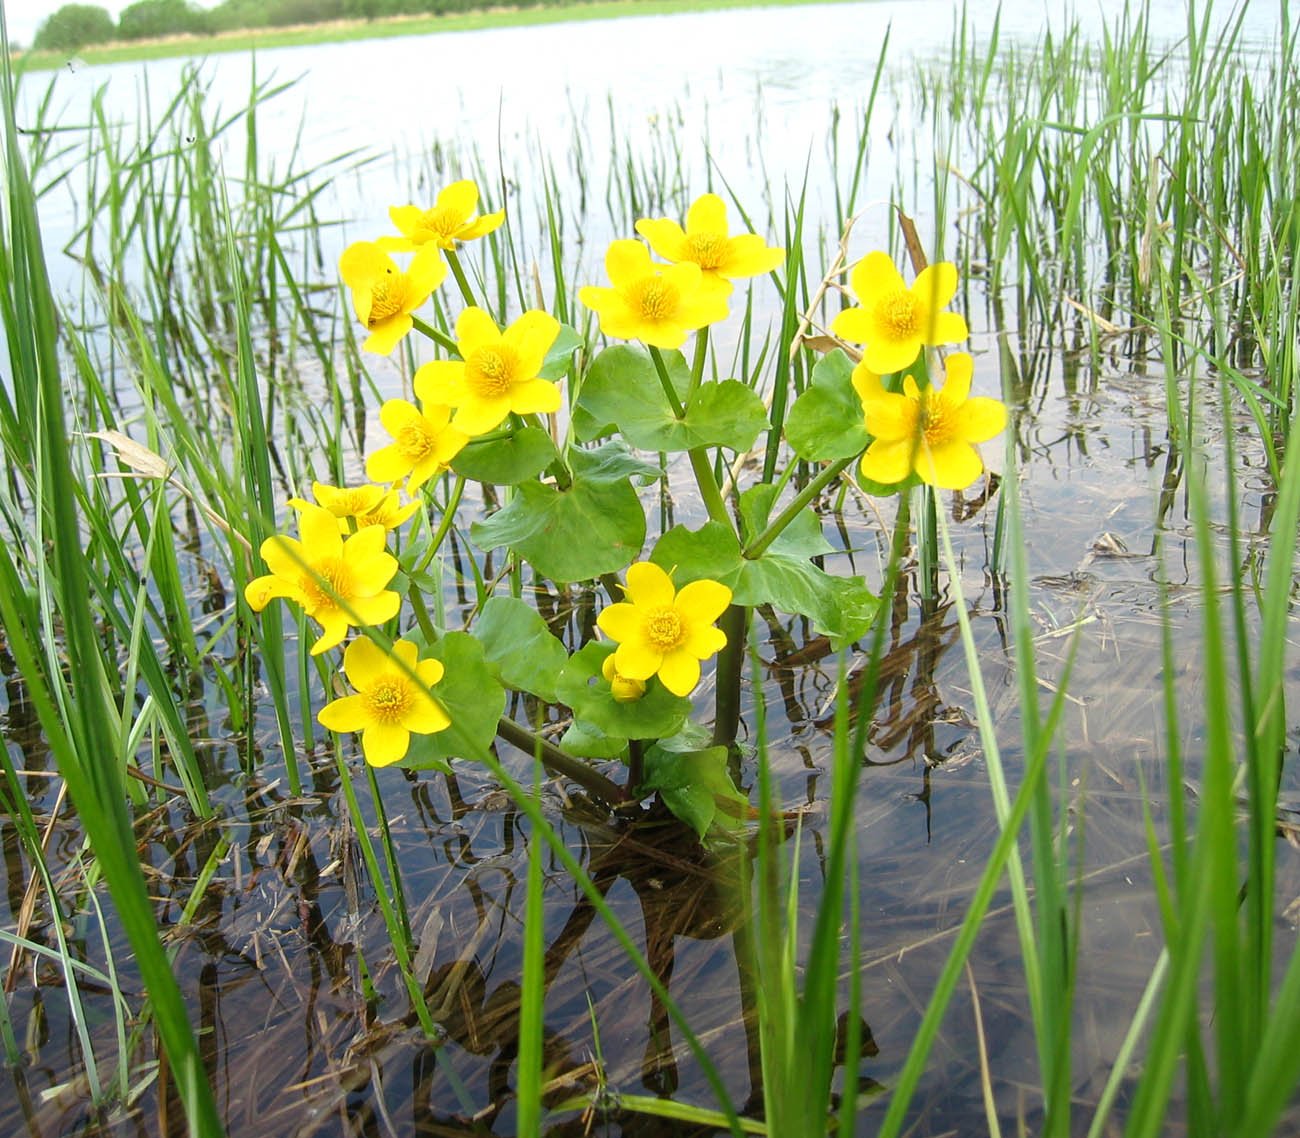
(894, 322)
(384, 295)
(656, 304)
(930, 431)
(392, 700)
(450, 220)
(336, 582)
(497, 372)
(663, 631)
(706, 241)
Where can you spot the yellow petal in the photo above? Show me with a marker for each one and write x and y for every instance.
(428, 270)
(626, 261)
(679, 672)
(429, 672)
(890, 417)
(478, 415)
(386, 336)
(536, 397)
(621, 622)
(708, 214)
(981, 419)
(481, 226)
(958, 369)
(475, 329)
(362, 262)
(947, 328)
(440, 381)
(666, 237)
(888, 461)
(951, 466)
(637, 660)
(364, 662)
(384, 744)
(320, 533)
(376, 610)
(346, 714)
(405, 217)
(426, 716)
(334, 627)
(702, 602)
(703, 641)
(886, 356)
(853, 324)
(387, 465)
(749, 256)
(867, 384)
(936, 285)
(459, 199)
(531, 336)
(875, 277)
(648, 586)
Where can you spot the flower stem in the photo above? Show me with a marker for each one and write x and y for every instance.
(444, 526)
(458, 271)
(731, 664)
(437, 337)
(609, 793)
(422, 617)
(697, 367)
(775, 527)
(635, 764)
(704, 479)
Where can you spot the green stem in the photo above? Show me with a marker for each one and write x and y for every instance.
(731, 666)
(437, 337)
(704, 478)
(635, 764)
(697, 367)
(661, 369)
(462, 281)
(444, 526)
(422, 616)
(775, 527)
(610, 794)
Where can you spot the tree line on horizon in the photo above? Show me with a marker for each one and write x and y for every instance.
(75, 26)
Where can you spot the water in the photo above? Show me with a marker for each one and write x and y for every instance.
(295, 1043)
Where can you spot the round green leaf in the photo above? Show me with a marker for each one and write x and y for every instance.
(506, 461)
(519, 646)
(470, 695)
(826, 422)
(583, 689)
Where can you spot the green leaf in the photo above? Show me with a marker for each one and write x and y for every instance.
(519, 647)
(593, 527)
(691, 784)
(803, 537)
(582, 688)
(783, 576)
(611, 462)
(507, 461)
(623, 392)
(623, 377)
(471, 696)
(560, 356)
(826, 422)
(585, 741)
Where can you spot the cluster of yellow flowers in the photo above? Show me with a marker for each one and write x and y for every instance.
(930, 431)
(339, 571)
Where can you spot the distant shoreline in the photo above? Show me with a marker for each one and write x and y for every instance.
(343, 31)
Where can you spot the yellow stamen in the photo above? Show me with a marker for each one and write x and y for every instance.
(388, 296)
(663, 628)
(706, 249)
(389, 700)
(414, 442)
(491, 372)
(654, 298)
(897, 315)
(331, 572)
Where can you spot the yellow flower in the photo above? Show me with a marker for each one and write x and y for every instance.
(930, 431)
(662, 631)
(895, 321)
(369, 505)
(423, 443)
(392, 700)
(336, 582)
(497, 372)
(384, 296)
(657, 304)
(623, 689)
(450, 220)
(705, 242)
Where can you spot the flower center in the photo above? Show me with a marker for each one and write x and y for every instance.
(663, 628)
(897, 316)
(935, 420)
(351, 503)
(706, 249)
(414, 442)
(655, 298)
(388, 295)
(389, 700)
(436, 224)
(331, 572)
(490, 372)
